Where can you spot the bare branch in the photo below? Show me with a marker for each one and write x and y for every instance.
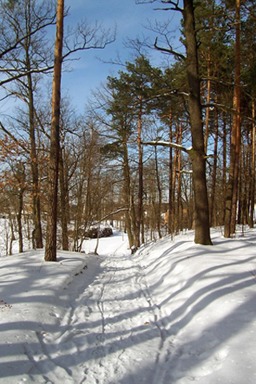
(23, 38)
(174, 5)
(25, 73)
(168, 50)
(112, 213)
(18, 142)
(86, 37)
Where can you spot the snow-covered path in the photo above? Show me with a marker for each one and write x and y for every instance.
(110, 334)
(101, 327)
(173, 313)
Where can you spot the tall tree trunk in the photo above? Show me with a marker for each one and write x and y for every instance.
(129, 215)
(12, 237)
(51, 235)
(208, 100)
(224, 172)
(159, 203)
(232, 190)
(253, 164)
(237, 120)
(37, 231)
(197, 154)
(171, 189)
(63, 203)
(213, 215)
(19, 218)
(178, 210)
(140, 215)
(79, 213)
(178, 176)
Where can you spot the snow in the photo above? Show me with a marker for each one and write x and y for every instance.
(173, 313)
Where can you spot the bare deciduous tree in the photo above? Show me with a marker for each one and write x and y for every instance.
(53, 168)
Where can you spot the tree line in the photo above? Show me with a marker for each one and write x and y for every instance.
(159, 148)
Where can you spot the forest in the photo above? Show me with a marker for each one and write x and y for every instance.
(158, 150)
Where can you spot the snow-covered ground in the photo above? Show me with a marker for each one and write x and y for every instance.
(173, 313)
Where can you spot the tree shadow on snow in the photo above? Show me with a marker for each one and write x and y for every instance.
(98, 338)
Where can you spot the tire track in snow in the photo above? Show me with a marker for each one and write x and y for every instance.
(164, 344)
(127, 325)
(112, 330)
(54, 353)
(154, 319)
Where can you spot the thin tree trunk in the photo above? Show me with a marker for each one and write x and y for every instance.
(179, 196)
(37, 232)
(213, 218)
(208, 99)
(224, 174)
(38, 236)
(78, 215)
(159, 204)
(253, 164)
(51, 235)
(232, 191)
(171, 189)
(64, 204)
(129, 216)
(177, 183)
(140, 216)
(237, 120)
(19, 219)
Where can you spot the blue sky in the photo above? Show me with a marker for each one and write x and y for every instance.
(130, 21)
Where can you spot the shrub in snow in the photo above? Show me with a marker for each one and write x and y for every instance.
(95, 232)
(106, 232)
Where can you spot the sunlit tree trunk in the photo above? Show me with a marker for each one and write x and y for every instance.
(51, 235)
(38, 236)
(213, 200)
(197, 154)
(177, 211)
(63, 202)
(129, 214)
(29, 91)
(253, 164)
(21, 179)
(232, 190)
(140, 215)
(208, 100)
(171, 189)
(159, 203)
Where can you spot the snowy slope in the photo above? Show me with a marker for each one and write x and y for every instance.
(173, 313)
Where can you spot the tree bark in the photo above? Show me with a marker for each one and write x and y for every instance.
(177, 182)
(171, 187)
(19, 218)
(63, 202)
(208, 100)
(140, 215)
(224, 171)
(232, 190)
(202, 227)
(38, 236)
(159, 203)
(213, 215)
(129, 215)
(51, 235)
(253, 164)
